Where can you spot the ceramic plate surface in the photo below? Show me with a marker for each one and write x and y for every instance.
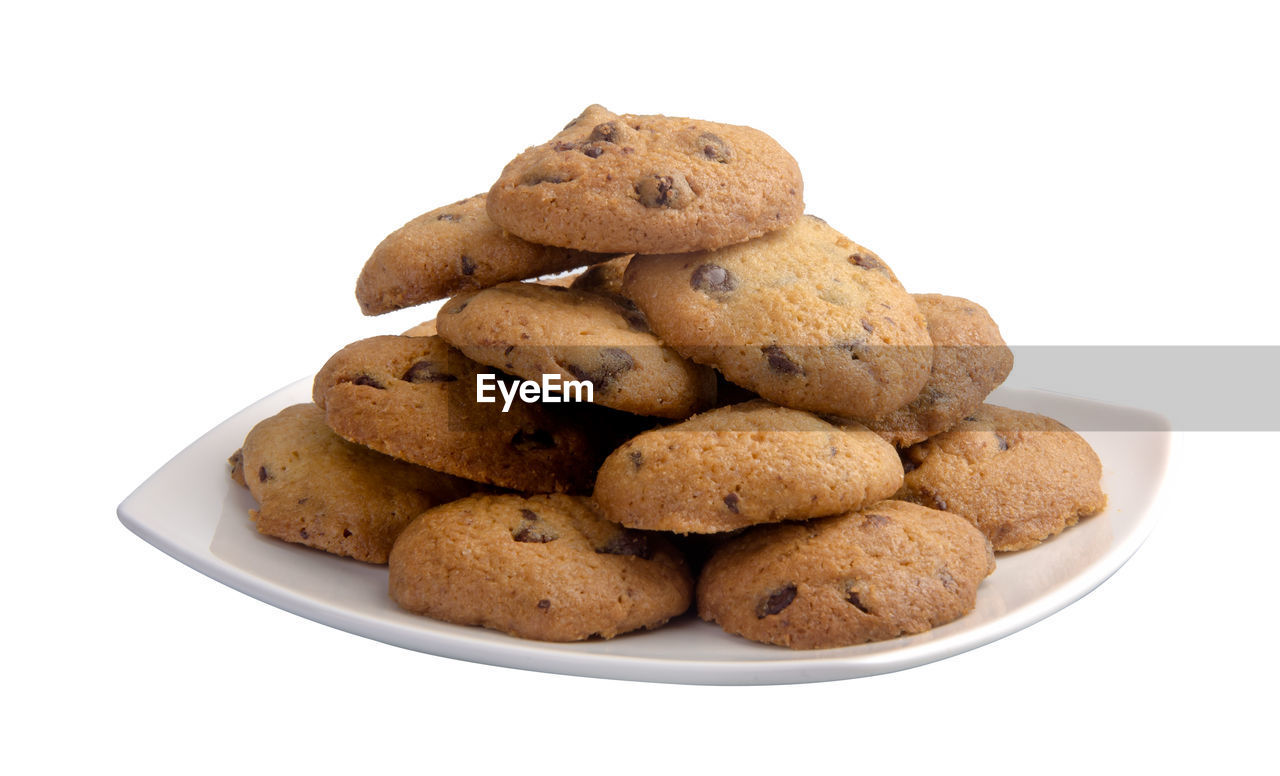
(191, 510)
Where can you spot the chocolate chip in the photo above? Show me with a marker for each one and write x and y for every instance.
(635, 319)
(544, 604)
(532, 530)
(671, 191)
(561, 145)
(631, 543)
(593, 150)
(776, 601)
(346, 533)
(852, 597)
(605, 133)
(713, 279)
(857, 348)
(612, 363)
(1001, 443)
(533, 440)
(262, 474)
(866, 261)
(369, 381)
(731, 501)
(948, 581)
(459, 308)
(938, 501)
(448, 217)
(468, 266)
(425, 372)
(714, 147)
(526, 534)
(971, 418)
(867, 325)
(637, 459)
(877, 520)
(303, 533)
(780, 362)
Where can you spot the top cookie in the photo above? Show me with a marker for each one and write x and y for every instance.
(450, 249)
(803, 316)
(648, 184)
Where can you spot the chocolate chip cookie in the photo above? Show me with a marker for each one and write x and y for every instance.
(803, 316)
(450, 249)
(317, 489)
(742, 465)
(612, 183)
(603, 278)
(970, 360)
(538, 567)
(414, 398)
(889, 570)
(532, 330)
(1018, 476)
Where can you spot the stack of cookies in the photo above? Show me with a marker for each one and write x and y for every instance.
(777, 429)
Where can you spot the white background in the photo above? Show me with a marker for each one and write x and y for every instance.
(189, 193)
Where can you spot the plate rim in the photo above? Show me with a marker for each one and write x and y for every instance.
(807, 666)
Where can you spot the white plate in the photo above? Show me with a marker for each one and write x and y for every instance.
(192, 510)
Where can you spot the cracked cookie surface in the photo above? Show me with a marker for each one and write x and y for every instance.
(889, 570)
(539, 567)
(612, 183)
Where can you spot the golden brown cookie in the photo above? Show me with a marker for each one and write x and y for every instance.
(414, 398)
(1018, 476)
(970, 360)
(317, 489)
(648, 184)
(538, 567)
(892, 569)
(424, 329)
(802, 316)
(742, 465)
(533, 330)
(450, 249)
(603, 278)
